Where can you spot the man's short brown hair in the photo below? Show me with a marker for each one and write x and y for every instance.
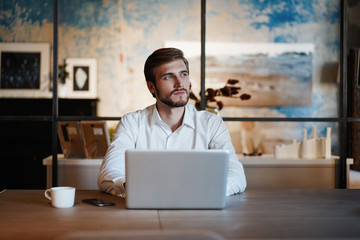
(160, 57)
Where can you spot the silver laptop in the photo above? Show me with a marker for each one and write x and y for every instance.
(176, 179)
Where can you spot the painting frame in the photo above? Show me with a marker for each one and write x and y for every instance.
(8, 53)
(82, 78)
(96, 138)
(268, 74)
(71, 139)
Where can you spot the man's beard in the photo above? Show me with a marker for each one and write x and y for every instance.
(168, 101)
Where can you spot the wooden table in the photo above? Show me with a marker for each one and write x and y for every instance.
(290, 214)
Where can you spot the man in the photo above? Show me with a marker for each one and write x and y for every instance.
(169, 124)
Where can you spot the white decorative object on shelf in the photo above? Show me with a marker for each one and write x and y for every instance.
(244, 147)
(308, 148)
(326, 144)
(288, 150)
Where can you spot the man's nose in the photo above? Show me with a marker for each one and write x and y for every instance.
(178, 82)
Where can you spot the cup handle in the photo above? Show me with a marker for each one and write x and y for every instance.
(47, 194)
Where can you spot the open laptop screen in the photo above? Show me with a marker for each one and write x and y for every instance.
(176, 179)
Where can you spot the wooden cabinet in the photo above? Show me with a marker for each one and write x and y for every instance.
(25, 142)
(267, 172)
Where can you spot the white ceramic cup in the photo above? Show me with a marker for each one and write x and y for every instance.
(61, 197)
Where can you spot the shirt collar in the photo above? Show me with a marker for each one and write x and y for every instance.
(188, 116)
(155, 118)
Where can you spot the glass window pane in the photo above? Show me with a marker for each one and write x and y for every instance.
(120, 35)
(284, 54)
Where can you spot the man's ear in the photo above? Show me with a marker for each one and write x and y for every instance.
(151, 87)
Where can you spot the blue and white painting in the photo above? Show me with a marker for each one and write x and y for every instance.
(273, 74)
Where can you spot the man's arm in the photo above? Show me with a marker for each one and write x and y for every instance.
(236, 180)
(111, 177)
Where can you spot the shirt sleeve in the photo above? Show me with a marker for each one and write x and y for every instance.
(111, 177)
(236, 180)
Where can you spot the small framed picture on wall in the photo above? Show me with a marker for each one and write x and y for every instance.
(25, 70)
(82, 81)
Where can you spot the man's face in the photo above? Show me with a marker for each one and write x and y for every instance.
(172, 84)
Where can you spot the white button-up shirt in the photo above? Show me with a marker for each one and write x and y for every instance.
(145, 129)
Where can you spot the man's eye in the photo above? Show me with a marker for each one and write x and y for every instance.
(185, 74)
(167, 77)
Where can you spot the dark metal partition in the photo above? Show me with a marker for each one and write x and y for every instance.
(341, 174)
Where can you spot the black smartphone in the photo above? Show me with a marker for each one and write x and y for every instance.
(98, 202)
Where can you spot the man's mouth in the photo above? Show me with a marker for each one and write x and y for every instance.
(179, 91)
